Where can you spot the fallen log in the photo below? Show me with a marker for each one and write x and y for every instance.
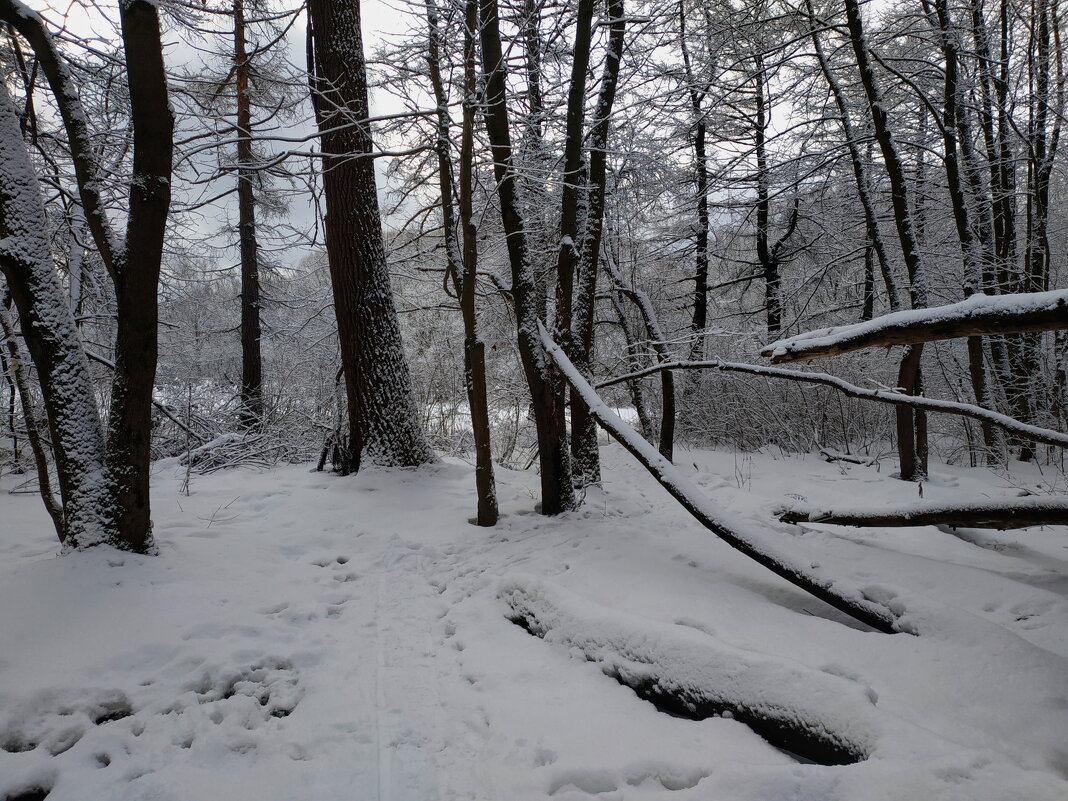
(834, 456)
(800, 571)
(818, 716)
(1035, 433)
(1001, 514)
(978, 315)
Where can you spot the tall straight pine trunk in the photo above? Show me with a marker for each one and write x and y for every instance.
(383, 424)
(251, 412)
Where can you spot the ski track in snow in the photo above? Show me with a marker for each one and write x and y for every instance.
(308, 636)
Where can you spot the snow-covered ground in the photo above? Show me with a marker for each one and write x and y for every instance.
(305, 636)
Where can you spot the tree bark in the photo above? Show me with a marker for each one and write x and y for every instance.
(951, 125)
(90, 516)
(584, 449)
(12, 361)
(909, 375)
(250, 414)
(462, 267)
(1007, 514)
(699, 321)
(137, 273)
(557, 491)
(383, 424)
(133, 263)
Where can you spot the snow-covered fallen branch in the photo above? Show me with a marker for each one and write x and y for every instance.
(1035, 433)
(819, 716)
(234, 449)
(999, 514)
(799, 569)
(976, 316)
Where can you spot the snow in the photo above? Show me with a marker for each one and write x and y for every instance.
(302, 635)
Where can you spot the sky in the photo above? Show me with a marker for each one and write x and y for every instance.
(380, 20)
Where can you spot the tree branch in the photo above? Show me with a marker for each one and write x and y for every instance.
(1044, 435)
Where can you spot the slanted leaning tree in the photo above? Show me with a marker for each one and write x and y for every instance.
(383, 424)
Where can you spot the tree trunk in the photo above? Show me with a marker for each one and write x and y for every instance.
(555, 461)
(909, 374)
(462, 267)
(89, 512)
(251, 411)
(584, 449)
(769, 266)
(133, 263)
(699, 321)
(383, 424)
(574, 187)
(860, 176)
(809, 576)
(951, 124)
(1009, 513)
(137, 274)
(12, 362)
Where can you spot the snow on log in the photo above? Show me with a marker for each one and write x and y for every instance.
(1035, 433)
(976, 316)
(773, 552)
(818, 716)
(998, 514)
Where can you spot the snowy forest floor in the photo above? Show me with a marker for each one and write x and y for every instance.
(306, 636)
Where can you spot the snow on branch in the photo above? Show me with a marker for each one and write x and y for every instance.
(826, 718)
(998, 514)
(976, 316)
(1046, 436)
(772, 551)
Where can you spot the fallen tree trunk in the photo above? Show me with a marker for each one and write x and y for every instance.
(1002, 421)
(1001, 515)
(834, 456)
(818, 716)
(799, 570)
(979, 315)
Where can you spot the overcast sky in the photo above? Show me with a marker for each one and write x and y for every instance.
(380, 19)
